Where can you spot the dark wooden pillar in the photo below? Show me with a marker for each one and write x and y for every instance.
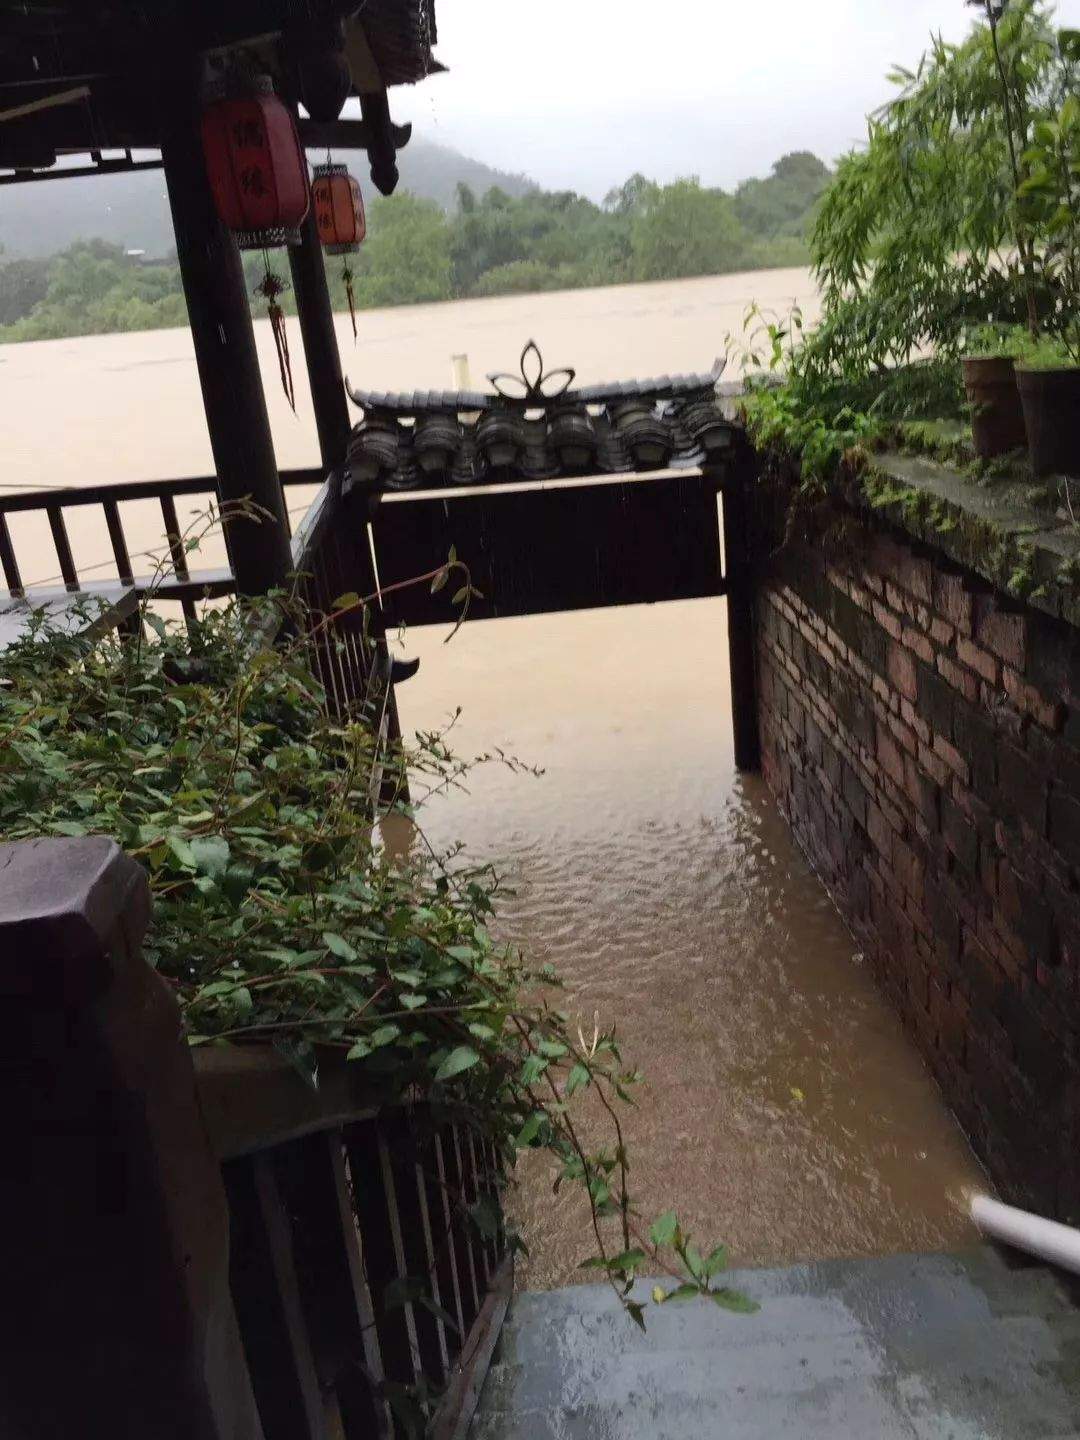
(220, 318)
(114, 1231)
(739, 578)
(320, 343)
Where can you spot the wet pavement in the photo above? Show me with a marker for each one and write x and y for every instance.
(944, 1347)
(785, 1112)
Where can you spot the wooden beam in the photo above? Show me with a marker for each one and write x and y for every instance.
(320, 343)
(348, 134)
(228, 362)
(739, 581)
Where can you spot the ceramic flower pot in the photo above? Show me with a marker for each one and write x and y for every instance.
(997, 416)
(1051, 401)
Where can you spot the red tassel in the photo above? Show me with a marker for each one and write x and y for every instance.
(347, 275)
(270, 288)
(281, 341)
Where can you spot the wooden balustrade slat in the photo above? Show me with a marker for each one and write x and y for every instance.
(119, 541)
(264, 1287)
(376, 1212)
(441, 1231)
(63, 546)
(176, 550)
(7, 559)
(352, 1399)
(172, 535)
(485, 1250)
(333, 1292)
(417, 1256)
(464, 1231)
(462, 1395)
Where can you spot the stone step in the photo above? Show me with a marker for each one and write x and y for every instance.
(914, 1346)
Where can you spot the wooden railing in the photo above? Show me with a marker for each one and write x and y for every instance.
(331, 558)
(177, 582)
(214, 1250)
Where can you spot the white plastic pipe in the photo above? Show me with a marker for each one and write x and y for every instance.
(1058, 1244)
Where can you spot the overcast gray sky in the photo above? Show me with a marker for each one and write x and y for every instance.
(581, 93)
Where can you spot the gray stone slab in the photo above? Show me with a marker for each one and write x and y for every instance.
(963, 1346)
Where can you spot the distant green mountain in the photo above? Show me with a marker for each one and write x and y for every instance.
(447, 233)
(133, 210)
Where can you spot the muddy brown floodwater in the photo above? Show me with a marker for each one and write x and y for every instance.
(784, 1111)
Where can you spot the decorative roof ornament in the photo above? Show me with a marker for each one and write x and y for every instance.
(532, 385)
(535, 426)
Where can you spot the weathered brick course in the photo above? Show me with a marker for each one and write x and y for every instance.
(923, 738)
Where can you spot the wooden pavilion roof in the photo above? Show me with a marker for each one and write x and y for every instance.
(79, 76)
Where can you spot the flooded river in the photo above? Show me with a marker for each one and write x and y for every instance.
(785, 1111)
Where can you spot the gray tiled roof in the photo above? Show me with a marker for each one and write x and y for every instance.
(466, 437)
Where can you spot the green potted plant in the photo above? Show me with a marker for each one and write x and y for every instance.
(1049, 376)
(997, 417)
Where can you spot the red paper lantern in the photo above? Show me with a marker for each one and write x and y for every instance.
(256, 167)
(339, 209)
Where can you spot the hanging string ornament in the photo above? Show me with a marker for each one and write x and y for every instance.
(339, 218)
(270, 287)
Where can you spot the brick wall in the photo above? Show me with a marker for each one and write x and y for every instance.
(924, 741)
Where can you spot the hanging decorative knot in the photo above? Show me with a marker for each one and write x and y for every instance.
(270, 287)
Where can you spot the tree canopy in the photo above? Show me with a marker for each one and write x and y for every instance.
(493, 243)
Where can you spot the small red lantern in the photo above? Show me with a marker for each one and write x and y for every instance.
(256, 167)
(339, 218)
(339, 209)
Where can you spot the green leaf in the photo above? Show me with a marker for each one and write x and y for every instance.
(734, 1300)
(578, 1077)
(359, 1051)
(338, 945)
(684, 1292)
(182, 850)
(346, 601)
(627, 1260)
(385, 1035)
(529, 1130)
(462, 1058)
(662, 1230)
(440, 580)
(211, 854)
(717, 1261)
(70, 827)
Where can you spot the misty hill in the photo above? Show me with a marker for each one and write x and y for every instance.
(487, 241)
(133, 211)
